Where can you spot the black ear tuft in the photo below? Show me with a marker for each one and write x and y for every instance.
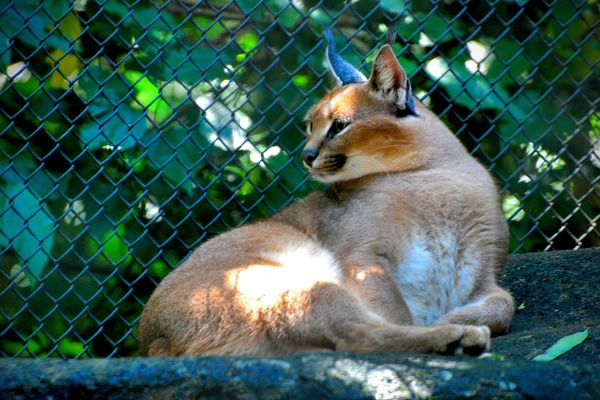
(342, 71)
(390, 37)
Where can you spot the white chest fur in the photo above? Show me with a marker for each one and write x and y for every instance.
(432, 281)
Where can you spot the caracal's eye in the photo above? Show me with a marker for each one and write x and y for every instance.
(336, 127)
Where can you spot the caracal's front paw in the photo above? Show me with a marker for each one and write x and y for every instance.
(466, 339)
(475, 340)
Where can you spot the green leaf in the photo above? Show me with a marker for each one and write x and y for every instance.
(437, 28)
(176, 151)
(56, 9)
(320, 17)
(20, 14)
(196, 64)
(117, 8)
(491, 356)
(519, 119)
(469, 89)
(96, 81)
(122, 128)
(115, 249)
(247, 5)
(27, 13)
(70, 348)
(289, 17)
(248, 41)
(508, 60)
(104, 207)
(513, 210)
(28, 226)
(562, 346)
(393, 6)
(5, 53)
(175, 144)
(148, 95)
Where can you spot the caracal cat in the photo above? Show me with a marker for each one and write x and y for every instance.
(401, 254)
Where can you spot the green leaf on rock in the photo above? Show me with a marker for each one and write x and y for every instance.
(562, 346)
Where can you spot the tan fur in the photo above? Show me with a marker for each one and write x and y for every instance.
(401, 254)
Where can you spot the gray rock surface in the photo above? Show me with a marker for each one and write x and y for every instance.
(560, 293)
(303, 376)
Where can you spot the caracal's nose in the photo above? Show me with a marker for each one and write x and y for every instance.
(309, 156)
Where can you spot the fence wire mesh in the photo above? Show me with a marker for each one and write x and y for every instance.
(131, 131)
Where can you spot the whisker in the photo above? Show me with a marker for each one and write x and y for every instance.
(382, 148)
(381, 166)
(399, 141)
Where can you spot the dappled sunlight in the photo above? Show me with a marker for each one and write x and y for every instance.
(297, 269)
(402, 377)
(478, 53)
(266, 282)
(449, 363)
(381, 381)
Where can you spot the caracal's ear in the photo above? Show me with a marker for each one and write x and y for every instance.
(342, 71)
(390, 81)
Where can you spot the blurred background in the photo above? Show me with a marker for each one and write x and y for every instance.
(132, 131)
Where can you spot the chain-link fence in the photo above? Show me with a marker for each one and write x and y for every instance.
(131, 131)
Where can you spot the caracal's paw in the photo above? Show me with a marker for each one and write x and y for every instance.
(466, 339)
(475, 340)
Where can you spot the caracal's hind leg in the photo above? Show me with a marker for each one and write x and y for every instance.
(327, 316)
(493, 307)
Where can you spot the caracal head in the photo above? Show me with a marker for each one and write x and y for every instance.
(364, 126)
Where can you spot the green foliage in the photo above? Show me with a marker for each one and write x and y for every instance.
(131, 131)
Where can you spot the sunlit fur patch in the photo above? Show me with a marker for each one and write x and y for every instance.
(297, 268)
